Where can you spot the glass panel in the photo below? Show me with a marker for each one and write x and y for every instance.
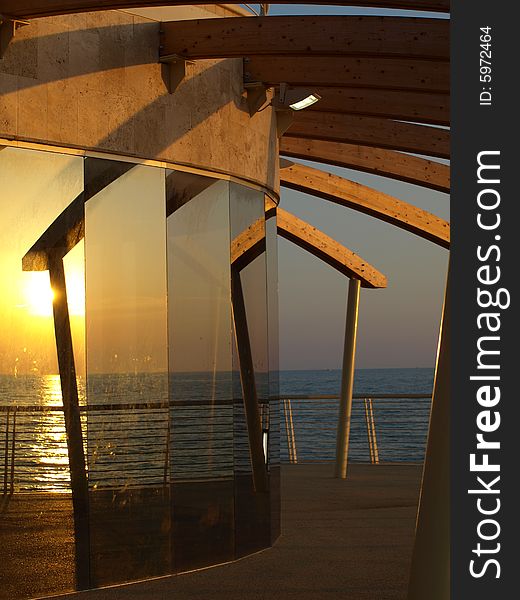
(125, 246)
(201, 409)
(271, 236)
(37, 519)
(251, 368)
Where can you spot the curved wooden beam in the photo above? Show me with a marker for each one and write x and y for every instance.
(309, 35)
(370, 131)
(251, 242)
(427, 76)
(388, 163)
(328, 250)
(28, 9)
(417, 107)
(366, 200)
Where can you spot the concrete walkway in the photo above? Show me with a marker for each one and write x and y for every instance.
(348, 540)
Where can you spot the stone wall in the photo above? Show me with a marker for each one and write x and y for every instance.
(93, 81)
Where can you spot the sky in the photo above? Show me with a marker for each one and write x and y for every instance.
(398, 326)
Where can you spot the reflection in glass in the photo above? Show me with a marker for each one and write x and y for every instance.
(249, 300)
(138, 428)
(271, 237)
(36, 518)
(201, 413)
(126, 322)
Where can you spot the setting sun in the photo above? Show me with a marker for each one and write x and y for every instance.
(38, 293)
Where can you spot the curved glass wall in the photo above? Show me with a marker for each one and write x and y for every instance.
(139, 425)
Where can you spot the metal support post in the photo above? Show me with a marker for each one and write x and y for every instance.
(347, 381)
(71, 411)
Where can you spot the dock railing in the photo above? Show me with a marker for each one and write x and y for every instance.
(384, 427)
(33, 451)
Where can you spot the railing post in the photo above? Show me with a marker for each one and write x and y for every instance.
(373, 430)
(369, 433)
(347, 381)
(167, 452)
(6, 456)
(287, 432)
(13, 448)
(293, 437)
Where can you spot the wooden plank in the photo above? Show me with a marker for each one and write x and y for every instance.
(309, 35)
(388, 163)
(68, 229)
(329, 250)
(245, 247)
(425, 76)
(249, 244)
(366, 200)
(41, 8)
(412, 106)
(371, 131)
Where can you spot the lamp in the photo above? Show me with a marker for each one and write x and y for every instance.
(295, 98)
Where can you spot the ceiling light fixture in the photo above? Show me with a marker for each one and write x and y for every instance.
(306, 102)
(296, 98)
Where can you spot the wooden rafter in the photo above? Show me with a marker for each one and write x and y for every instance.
(42, 8)
(427, 76)
(388, 163)
(328, 250)
(308, 35)
(370, 131)
(245, 247)
(367, 200)
(389, 104)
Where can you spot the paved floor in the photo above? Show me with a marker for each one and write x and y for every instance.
(341, 539)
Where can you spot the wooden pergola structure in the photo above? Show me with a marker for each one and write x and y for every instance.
(384, 108)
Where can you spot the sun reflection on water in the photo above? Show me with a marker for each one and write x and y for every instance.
(46, 437)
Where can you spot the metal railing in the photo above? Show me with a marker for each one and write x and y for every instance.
(384, 428)
(130, 443)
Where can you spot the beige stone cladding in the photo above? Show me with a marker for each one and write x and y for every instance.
(93, 81)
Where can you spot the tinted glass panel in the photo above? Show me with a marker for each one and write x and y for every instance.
(201, 414)
(36, 516)
(271, 236)
(125, 233)
(252, 368)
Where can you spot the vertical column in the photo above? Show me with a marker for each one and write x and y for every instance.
(69, 391)
(430, 572)
(347, 381)
(247, 376)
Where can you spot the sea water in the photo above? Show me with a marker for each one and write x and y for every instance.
(131, 444)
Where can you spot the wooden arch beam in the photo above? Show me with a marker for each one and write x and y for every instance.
(43, 8)
(328, 250)
(309, 35)
(412, 106)
(371, 131)
(388, 163)
(366, 200)
(427, 76)
(247, 246)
